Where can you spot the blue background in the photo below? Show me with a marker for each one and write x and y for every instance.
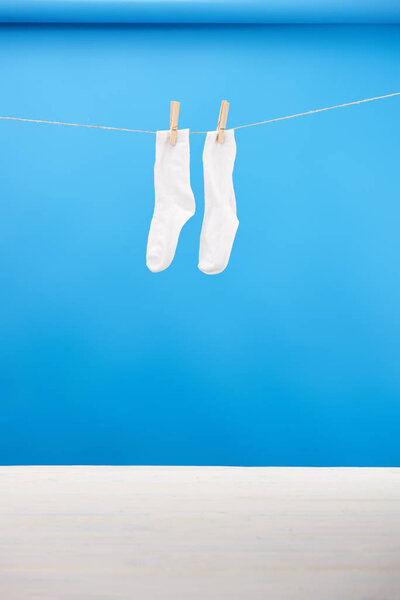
(200, 11)
(291, 356)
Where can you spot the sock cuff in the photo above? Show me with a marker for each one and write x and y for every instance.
(216, 156)
(229, 137)
(162, 137)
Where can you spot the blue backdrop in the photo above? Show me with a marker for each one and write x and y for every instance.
(200, 11)
(291, 356)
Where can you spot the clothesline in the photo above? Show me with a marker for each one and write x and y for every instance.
(309, 112)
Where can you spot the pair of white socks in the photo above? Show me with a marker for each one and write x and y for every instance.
(175, 204)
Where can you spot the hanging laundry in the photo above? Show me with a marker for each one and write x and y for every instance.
(174, 201)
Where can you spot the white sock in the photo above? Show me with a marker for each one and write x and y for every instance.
(174, 200)
(220, 222)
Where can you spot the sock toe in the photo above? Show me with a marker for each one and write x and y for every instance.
(157, 265)
(210, 268)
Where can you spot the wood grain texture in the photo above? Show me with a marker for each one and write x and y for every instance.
(105, 533)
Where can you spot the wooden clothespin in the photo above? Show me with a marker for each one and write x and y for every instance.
(173, 123)
(223, 117)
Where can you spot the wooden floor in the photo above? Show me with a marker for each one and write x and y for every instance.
(149, 533)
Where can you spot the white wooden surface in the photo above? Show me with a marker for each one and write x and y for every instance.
(105, 533)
